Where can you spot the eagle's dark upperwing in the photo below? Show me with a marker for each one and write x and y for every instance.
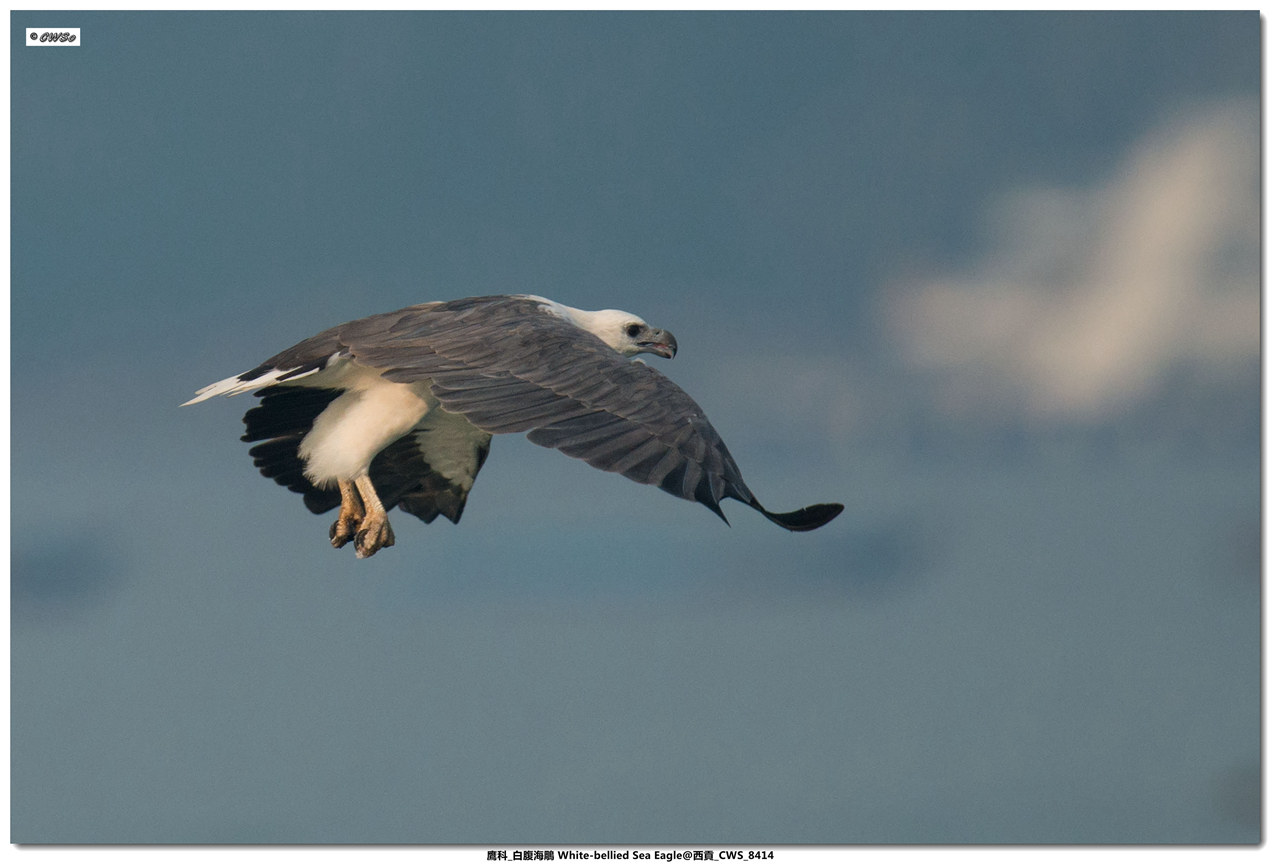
(510, 364)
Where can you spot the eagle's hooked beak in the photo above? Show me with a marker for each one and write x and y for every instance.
(660, 342)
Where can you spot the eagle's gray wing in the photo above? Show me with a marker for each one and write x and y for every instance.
(508, 364)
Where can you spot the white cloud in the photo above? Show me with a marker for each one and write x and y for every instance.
(1089, 299)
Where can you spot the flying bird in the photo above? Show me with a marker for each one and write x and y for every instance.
(398, 409)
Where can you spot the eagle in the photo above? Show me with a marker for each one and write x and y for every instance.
(398, 409)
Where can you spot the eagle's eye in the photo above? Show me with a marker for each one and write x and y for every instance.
(632, 330)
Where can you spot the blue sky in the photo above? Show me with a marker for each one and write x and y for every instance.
(991, 280)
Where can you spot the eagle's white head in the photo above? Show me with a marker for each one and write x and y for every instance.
(624, 332)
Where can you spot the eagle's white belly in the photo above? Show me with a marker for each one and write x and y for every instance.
(357, 425)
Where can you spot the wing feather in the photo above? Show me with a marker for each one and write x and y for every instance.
(508, 364)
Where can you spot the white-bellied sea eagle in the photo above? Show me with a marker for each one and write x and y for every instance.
(397, 410)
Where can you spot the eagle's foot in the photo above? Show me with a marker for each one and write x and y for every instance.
(375, 532)
(342, 531)
(351, 514)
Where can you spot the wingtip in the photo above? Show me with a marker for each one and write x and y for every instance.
(806, 518)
